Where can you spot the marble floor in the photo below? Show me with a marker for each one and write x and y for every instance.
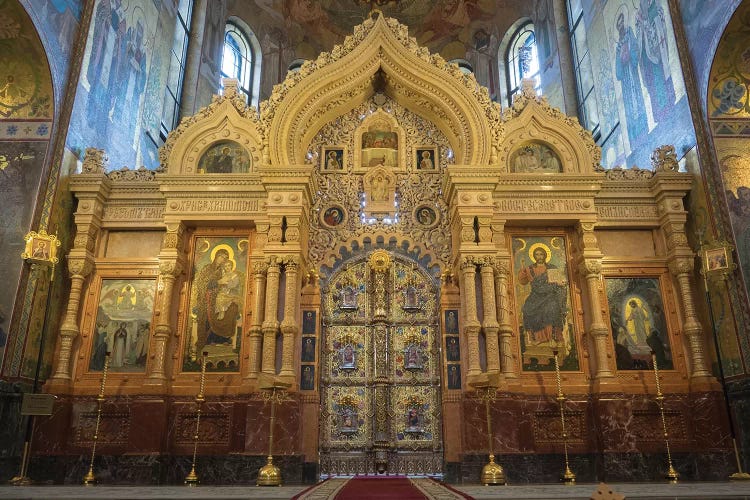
(642, 491)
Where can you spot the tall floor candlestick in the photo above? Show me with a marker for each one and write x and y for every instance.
(192, 478)
(90, 479)
(671, 475)
(740, 475)
(269, 474)
(492, 473)
(568, 477)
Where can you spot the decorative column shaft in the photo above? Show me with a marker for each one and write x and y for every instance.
(168, 271)
(289, 326)
(170, 266)
(256, 328)
(79, 269)
(270, 321)
(591, 270)
(489, 320)
(682, 269)
(508, 363)
(471, 325)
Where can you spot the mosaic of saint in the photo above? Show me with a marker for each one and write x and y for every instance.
(216, 303)
(123, 325)
(636, 314)
(379, 147)
(224, 158)
(543, 302)
(535, 157)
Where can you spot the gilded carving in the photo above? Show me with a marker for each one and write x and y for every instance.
(94, 161)
(663, 159)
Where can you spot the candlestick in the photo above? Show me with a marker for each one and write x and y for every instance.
(740, 475)
(492, 473)
(671, 475)
(90, 479)
(192, 478)
(269, 474)
(568, 477)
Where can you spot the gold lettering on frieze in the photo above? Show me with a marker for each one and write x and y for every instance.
(544, 206)
(626, 212)
(133, 213)
(214, 206)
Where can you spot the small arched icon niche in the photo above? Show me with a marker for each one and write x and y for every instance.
(535, 157)
(226, 157)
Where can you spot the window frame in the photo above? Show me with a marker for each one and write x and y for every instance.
(511, 60)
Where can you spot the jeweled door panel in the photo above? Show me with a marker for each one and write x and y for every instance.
(380, 372)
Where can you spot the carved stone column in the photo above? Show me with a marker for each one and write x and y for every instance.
(682, 269)
(507, 347)
(289, 326)
(78, 269)
(170, 266)
(256, 328)
(591, 270)
(91, 189)
(471, 324)
(680, 256)
(270, 321)
(489, 320)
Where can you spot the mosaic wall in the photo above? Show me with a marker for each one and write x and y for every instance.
(26, 111)
(637, 80)
(121, 88)
(704, 22)
(457, 29)
(57, 22)
(729, 121)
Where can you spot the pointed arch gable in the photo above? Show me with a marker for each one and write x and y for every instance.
(424, 83)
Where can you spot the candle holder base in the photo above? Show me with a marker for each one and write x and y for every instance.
(740, 476)
(672, 475)
(191, 479)
(269, 474)
(89, 479)
(21, 481)
(492, 473)
(568, 477)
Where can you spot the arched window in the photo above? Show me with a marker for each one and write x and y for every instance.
(521, 59)
(588, 109)
(240, 59)
(178, 55)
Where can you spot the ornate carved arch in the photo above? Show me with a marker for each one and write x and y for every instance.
(424, 83)
(341, 251)
(227, 118)
(531, 118)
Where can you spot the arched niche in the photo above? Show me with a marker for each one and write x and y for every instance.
(380, 141)
(380, 53)
(227, 120)
(532, 122)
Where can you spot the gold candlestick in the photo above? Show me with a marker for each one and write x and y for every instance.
(568, 477)
(722, 274)
(192, 478)
(492, 473)
(671, 475)
(269, 474)
(90, 479)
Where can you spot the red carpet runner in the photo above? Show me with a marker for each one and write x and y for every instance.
(371, 488)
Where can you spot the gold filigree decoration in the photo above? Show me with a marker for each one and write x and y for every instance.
(380, 261)
(415, 188)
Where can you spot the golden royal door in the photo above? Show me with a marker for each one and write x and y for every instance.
(380, 384)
